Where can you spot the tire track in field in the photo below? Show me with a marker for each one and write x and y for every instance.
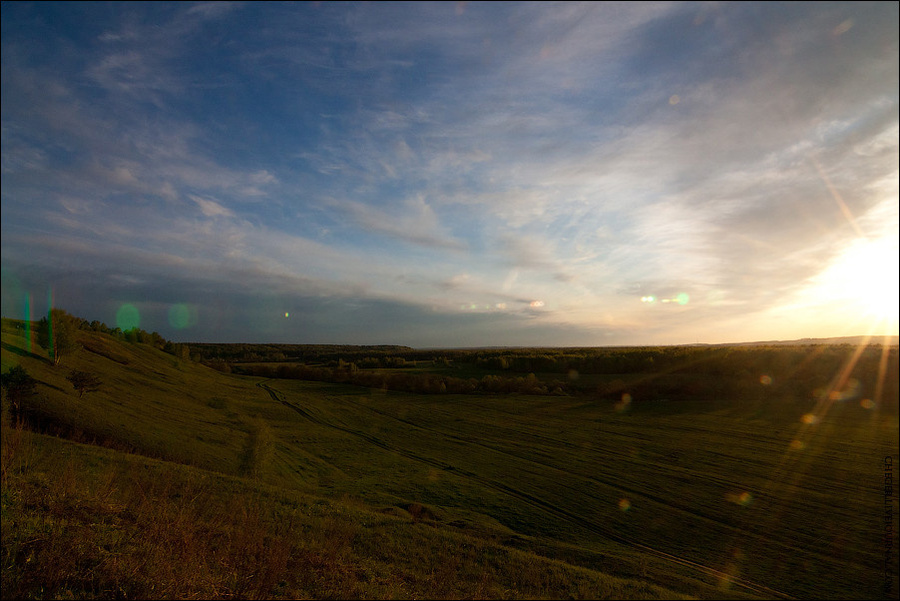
(761, 537)
(533, 501)
(275, 396)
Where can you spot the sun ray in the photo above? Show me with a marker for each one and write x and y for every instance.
(845, 210)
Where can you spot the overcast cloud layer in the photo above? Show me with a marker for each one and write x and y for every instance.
(453, 174)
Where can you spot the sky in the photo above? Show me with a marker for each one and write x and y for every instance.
(453, 174)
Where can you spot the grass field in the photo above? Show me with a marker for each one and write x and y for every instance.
(439, 495)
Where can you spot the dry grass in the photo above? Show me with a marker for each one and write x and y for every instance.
(89, 523)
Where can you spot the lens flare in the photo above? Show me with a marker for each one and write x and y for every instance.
(682, 298)
(50, 336)
(180, 316)
(742, 498)
(623, 404)
(843, 27)
(27, 313)
(850, 390)
(128, 317)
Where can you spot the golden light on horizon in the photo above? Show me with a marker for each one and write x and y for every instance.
(856, 293)
(865, 279)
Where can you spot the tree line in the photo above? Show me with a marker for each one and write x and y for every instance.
(642, 373)
(651, 372)
(801, 364)
(56, 333)
(407, 381)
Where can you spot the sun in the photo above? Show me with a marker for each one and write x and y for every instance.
(864, 279)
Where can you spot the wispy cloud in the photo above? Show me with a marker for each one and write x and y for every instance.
(413, 220)
(539, 165)
(211, 208)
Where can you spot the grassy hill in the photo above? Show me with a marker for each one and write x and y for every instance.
(175, 480)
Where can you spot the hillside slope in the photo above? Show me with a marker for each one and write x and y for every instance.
(185, 513)
(516, 495)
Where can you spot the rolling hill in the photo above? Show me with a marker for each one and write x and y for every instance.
(177, 480)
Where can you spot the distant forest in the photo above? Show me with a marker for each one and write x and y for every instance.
(641, 372)
(844, 371)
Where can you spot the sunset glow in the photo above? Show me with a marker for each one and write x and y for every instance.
(865, 277)
(442, 174)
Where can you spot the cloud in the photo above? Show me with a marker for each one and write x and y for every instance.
(414, 221)
(532, 252)
(212, 10)
(133, 73)
(211, 208)
(239, 302)
(422, 159)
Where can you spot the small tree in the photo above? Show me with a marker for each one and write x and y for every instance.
(19, 387)
(83, 381)
(57, 334)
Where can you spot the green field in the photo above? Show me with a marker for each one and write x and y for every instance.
(439, 495)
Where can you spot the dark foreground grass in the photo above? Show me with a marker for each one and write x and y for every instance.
(83, 522)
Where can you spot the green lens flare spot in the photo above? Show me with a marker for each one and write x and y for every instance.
(179, 316)
(128, 317)
(682, 299)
